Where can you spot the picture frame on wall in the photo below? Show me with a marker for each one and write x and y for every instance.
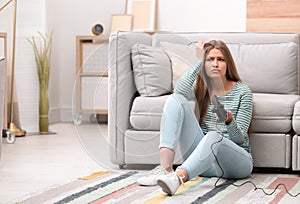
(144, 14)
(121, 22)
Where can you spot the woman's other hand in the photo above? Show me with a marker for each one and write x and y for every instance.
(228, 117)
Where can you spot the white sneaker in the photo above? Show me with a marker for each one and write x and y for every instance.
(169, 183)
(150, 179)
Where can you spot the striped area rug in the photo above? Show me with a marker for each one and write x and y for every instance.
(106, 187)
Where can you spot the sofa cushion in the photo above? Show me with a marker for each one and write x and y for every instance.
(146, 112)
(152, 70)
(267, 68)
(182, 58)
(272, 113)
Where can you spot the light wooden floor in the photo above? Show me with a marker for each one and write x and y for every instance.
(35, 163)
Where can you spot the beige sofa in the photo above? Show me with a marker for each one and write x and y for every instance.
(143, 69)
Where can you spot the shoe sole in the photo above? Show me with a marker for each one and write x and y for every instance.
(164, 187)
(146, 184)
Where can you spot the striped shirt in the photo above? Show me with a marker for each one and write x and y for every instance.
(238, 101)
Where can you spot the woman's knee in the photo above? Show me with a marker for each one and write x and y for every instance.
(178, 98)
(174, 104)
(213, 137)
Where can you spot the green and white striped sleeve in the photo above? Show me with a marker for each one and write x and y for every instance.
(238, 128)
(185, 85)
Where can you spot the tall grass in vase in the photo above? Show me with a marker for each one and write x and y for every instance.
(42, 51)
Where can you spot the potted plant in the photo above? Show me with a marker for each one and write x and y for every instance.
(42, 52)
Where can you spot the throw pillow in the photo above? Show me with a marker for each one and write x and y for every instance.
(151, 69)
(182, 58)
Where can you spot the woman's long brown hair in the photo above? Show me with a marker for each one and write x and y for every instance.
(202, 81)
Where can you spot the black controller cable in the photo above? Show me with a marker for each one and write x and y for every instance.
(246, 182)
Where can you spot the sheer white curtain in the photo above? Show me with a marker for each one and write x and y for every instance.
(2, 67)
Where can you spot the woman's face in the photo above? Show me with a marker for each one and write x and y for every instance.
(215, 65)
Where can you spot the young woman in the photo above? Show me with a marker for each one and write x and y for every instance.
(209, 147)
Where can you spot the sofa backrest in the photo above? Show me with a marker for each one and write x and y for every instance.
(267, 62)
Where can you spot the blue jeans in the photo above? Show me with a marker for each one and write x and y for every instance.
(179, 126)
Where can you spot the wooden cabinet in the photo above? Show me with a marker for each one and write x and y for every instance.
(91, 76)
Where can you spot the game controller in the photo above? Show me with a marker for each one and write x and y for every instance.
(218, 108)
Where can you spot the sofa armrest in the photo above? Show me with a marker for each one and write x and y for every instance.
(296, 138)
(296, 118)
(121, 89)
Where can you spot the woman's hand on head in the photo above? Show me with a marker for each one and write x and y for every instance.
(200, 50)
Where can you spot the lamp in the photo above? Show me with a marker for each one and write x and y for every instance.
(12, 128)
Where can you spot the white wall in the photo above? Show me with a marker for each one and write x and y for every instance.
(68, 18)
(202, 15)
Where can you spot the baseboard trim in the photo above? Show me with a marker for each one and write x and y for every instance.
(60, 115)
(57, 115)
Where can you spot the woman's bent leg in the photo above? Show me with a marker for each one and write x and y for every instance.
(179, 125)
(232, 160)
